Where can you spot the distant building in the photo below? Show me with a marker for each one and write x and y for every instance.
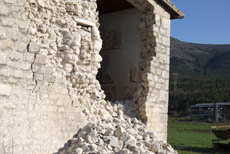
(219, 111)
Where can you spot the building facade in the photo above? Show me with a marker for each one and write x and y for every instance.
(50, 53)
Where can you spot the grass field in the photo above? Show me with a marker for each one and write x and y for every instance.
(192, 137)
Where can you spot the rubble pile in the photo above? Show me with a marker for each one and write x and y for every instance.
(116, 133)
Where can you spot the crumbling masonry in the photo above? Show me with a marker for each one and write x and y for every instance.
(49, 59)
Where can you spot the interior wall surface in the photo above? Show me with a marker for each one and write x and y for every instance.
(120, 53)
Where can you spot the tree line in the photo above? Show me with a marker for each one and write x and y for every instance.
(185, 91)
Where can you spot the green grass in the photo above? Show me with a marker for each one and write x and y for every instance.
(192, 137)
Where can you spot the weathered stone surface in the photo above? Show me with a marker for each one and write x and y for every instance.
(103, 142)
(114, 142)
(5, 90)
(41, 59)
(34, 48)
(2, 33)
(49, 85)
(6, 44)
(3, 58)
(4, 10)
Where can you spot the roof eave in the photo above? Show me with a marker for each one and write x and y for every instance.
(172, 9)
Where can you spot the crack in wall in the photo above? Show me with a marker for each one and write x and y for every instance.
(70, 95)
(31, 67)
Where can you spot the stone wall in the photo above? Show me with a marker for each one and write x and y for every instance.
(49, 58)
(48, 65)
(152, 94)
(153, 103)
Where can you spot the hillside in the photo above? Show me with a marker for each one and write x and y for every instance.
(190, 59)
(200, 73)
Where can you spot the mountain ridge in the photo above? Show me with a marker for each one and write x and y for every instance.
(200, 60)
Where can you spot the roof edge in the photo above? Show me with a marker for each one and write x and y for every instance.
(172, 9)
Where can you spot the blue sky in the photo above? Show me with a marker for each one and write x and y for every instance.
(206, 21)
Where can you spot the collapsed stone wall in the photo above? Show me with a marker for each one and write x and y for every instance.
(116, 133)
(49, 58)
(67, 38)
(49, 61)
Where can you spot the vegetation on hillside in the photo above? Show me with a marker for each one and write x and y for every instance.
(199, 74)
(188, 91)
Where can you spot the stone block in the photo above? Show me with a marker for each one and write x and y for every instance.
(5, 90)
(84, 22)
(147, 77)
(165, 75)
(71, 58)
(6, 44)
(23, 65)
(68, 67)
(29, 57)
(28, 75)
(17, 74)
(34, 48)
(23, 26)
(2, 33)
(5, 71)
(40, 59)
(4, 10)
(97, 58)
(10, 1)
(21, 46)
(8, 22)
(163, 95)
(36, 68)
(165, 23)
(166, 41)
(39, 77)
(47, 70)
(157, 18)
(49, 78)
(3, 58)
(16, 56)
(13, 34)
(41, 3)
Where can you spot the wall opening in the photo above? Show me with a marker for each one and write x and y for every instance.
(119, 74)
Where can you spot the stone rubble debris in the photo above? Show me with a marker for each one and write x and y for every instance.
(115, 133)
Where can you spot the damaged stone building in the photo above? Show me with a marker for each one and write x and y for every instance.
(61, 59)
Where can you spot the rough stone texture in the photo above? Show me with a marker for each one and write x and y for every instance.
(119, 134)
(154, 104)
(152, 94)
(49, 61)
(49, 58)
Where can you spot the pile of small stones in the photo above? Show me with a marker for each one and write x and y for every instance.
(116, 133)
